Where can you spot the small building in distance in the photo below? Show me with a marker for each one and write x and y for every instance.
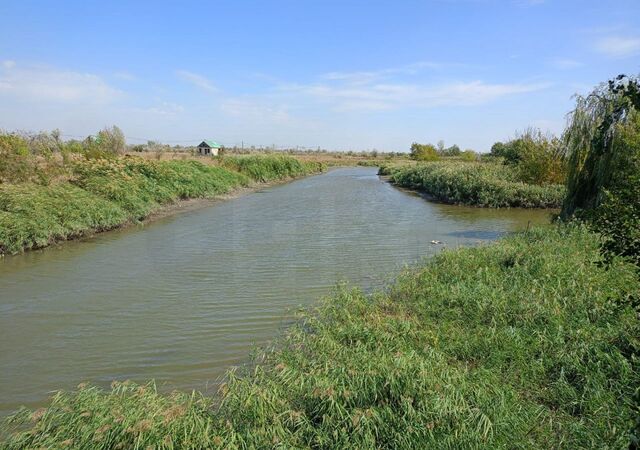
(208, 147)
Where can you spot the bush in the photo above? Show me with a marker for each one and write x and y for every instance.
(469, 155)
(423, 152)
(479, 184)
(539, 158)
(15, 164)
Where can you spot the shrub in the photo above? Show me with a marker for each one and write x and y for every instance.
(423, 152)
(480, 184)
(469, 155)
(15, 164)
(539, 158)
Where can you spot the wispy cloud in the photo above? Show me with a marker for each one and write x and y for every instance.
(50, 84)
(250, 109)
(619, 46)
(163, 109)
(197, 80)
(361, 77)
(384, 96)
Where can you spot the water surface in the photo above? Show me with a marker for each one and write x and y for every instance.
(183, 299)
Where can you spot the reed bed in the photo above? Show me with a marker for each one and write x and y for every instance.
(102, 194)
(480, 184)
(524, 343)
(272, 167)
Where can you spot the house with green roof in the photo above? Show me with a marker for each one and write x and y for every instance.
(208, 147)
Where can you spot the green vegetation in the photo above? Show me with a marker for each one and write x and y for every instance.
(482, 184)
(525, 343)
(603, 140)
(530, 342)
(537, 158)
(100, 194)
(526, 172)
(273, 167)
(424, 152)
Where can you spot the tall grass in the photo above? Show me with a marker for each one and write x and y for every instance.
(270, 167)
(525, 343)
(102, 194)
(480, 184)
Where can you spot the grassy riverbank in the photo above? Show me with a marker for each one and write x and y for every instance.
(480, 184)
(102, 194)
(526, 342)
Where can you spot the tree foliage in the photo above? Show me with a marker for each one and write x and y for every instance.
(538, 157)
(424, 152)
(603, 140)
(591, 138)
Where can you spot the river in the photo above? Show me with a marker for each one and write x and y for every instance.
(186, 297)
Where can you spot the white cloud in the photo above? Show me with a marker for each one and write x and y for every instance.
(44, 83)
(252, 110)
(373, 75)
(197, 80)
(164, 109)
(382, 96)
(618, 46)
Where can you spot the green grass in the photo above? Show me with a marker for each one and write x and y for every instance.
(271, 167)
(103, 194)
(524, 343)
(33, 216)
(480, 184)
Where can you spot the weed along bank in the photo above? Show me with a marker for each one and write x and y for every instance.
(209, 147)
(241, 225)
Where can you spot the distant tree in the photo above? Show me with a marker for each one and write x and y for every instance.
(424, 152)
(440, 147)
(111, 140)
(454, 150)
(469, 155)
(499, 149)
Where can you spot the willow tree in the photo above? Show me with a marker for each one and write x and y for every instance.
(591, 139)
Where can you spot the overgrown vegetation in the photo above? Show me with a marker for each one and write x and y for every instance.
(538, 158)
(102, 193)
(525, 343)
(531, 342)
(274, 167)
(603, 141)
(423, 152)
(481, 184)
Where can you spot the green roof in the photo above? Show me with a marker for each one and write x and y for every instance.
(210, 143)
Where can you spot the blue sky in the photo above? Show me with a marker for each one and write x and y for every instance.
(335, 74)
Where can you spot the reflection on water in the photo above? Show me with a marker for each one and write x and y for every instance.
(190, 295)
